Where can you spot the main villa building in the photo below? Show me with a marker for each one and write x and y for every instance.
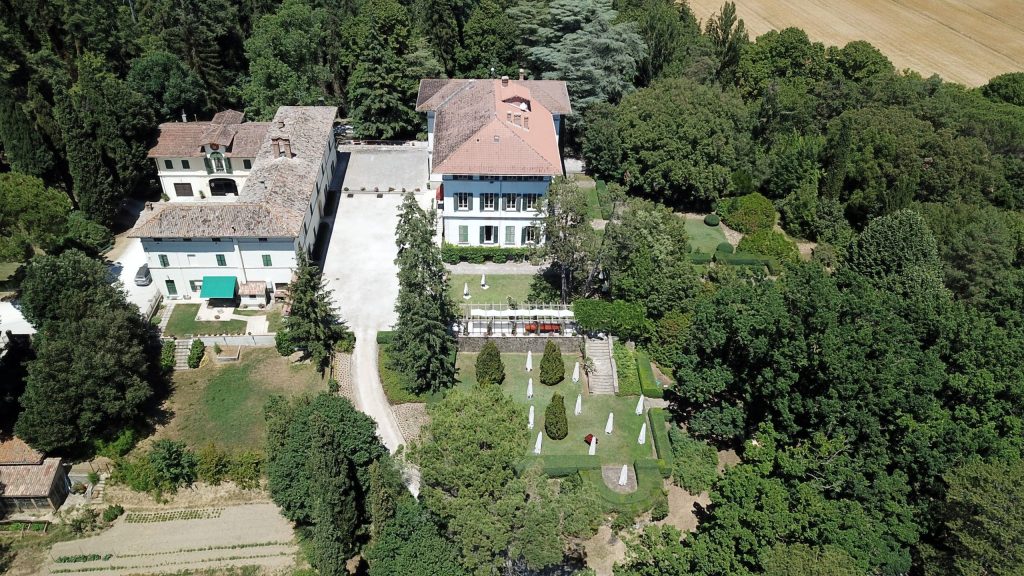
(492, 150)
(243, 199)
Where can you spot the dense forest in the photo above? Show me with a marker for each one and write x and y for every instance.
(875, 392)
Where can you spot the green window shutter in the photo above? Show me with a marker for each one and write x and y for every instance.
(266, 260)
(471, 203)
(221, 261)
(510, 234)
(209, 165)
(164, 262)
(463, 234)
(481, 229)
(227, 165)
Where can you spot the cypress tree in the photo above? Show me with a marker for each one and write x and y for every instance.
(552, 369)
(332, 494)
(555, 423)
(313, 326)
(489, 367)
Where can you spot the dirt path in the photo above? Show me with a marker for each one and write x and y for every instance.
(247, 535)
(966, 41)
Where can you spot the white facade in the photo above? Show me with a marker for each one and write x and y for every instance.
(189, 179)
(493, 210)
(179, 265)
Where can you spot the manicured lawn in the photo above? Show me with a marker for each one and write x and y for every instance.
(499, 288)
(249, 312)
(223, 403)
(183, 323)
(7, 269)
(275, 320)
(619, 448)
(703, 238)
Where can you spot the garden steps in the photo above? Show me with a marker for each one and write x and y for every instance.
(181, 350)
(602, 377)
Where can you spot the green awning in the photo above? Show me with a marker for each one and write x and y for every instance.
(218, 287)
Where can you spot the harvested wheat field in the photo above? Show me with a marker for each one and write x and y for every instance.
(966, 41)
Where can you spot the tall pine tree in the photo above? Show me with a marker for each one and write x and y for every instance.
(423, 347)
(313, 326)
(336, 519)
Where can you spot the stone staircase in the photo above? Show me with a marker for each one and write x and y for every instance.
(603, 378)
(181, 350)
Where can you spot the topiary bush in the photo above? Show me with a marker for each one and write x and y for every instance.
(625, 367)
(555, 422)
(724, 248)
(167, 355)
(552, 369)
(712, 219)
(489, 367)
(748, 213)
(196, 353)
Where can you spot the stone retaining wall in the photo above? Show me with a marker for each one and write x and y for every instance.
(520, 344)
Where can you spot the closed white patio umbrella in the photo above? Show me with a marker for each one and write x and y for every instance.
(623, 475)
(529, 360)
(579, 405)
(540, 439)
(465, 290)
(593, 447)
(530, 425)
(483, 281)
(643, 430)
(640, 406)
(608, 426)
(529, 389)
(576, 373)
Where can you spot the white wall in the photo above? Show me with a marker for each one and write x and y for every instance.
(243, 258)
(473, 224)
(476, 216)
(196, 176)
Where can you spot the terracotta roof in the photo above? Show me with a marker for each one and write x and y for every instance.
(186, 139)
(277, 192)
(14, 450)
(493, 126)
(28, 480)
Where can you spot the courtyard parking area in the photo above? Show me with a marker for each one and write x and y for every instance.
(385, 167)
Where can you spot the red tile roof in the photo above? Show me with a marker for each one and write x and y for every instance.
(186, 139)
(28, 480)
(495, 126)
(14, 450)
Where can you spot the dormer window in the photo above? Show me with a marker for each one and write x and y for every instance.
(218, 161)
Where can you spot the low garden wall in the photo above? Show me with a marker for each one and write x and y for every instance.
(520, 344)
(240, 340)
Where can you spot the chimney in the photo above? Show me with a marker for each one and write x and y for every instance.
(504, 80)
(526, 122)
(287, 148)
(184, 117)
(277, 148)
(522, 74)
(149, 205)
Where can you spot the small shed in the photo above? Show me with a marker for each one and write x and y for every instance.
(253, 293)
(30, 482)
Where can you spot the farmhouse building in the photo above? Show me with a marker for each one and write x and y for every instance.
(492, 150)
(198, 248)
(28, 481)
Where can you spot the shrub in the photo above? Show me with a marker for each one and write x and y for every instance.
(246, 469)
(649, 385)
(712, 219)
(552, 368)
(217, 349)
(724, 248)
(555, 422)
(117, 447)
(660, 509)
(625, 367)
(662, 446)
(695, 468)
(94, 477)
(748, 213)
(167, 355)
(78, 488)
(452, 254)
(137, 474)
(283, 343)
(112, 513)
(699, 258)
(622, 521)
(212, 464)
(173, 462)
(625, 319)
(489, 367)
(770, 243)
(196, 353)
(82, 520)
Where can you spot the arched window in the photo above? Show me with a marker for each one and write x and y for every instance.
(218, 161)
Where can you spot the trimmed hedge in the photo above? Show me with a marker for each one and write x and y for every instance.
(666, 459)
(649, 385)
(625, 367)
(384, 337)
(712, 220)
(196, 353)
(771, 244)
(452, 254)
(648, 490)
(700, 258)
(624, 319)
(167, 355)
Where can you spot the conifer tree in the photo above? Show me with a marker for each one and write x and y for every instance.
(422, 347)
(332, 494)
(555, 423)
(552, 368)
(489, 367)
(313, 326)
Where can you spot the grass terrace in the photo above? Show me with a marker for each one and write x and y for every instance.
(274, 318)
(500, 287)
(183, 323)
(703, 238)
(619, 448)
(223, 403)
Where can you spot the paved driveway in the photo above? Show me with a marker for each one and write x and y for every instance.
(126, 256)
